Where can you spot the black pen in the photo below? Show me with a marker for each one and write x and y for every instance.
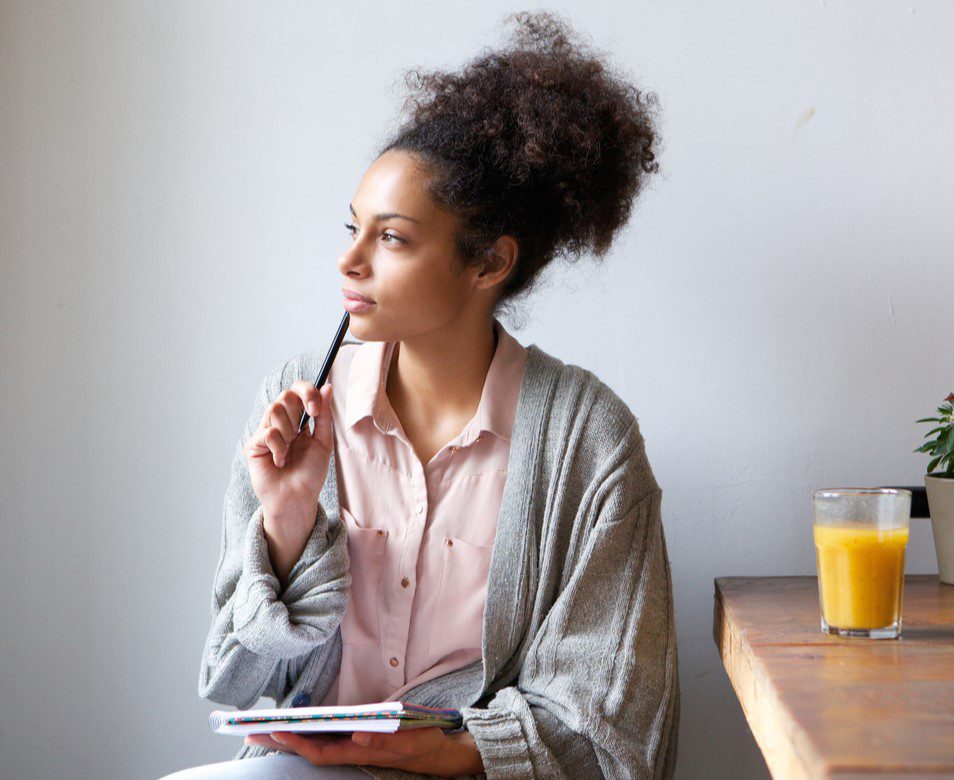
(326, 366)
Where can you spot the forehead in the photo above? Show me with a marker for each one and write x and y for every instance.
(394, 183)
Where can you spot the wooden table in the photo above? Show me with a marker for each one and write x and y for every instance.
(826, 706)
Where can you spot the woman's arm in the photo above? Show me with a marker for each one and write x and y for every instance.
(261, 634)
(598, 693)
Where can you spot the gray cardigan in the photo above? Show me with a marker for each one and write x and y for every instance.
(578, 676)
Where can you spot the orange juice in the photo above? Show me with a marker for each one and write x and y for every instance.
(860, 574)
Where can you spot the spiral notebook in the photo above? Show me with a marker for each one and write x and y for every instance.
(380, 716)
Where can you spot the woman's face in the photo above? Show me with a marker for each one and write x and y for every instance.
(402, 257)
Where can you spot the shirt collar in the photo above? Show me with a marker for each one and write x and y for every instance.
(367, 388)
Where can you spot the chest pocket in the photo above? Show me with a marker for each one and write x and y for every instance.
(366, 547)
(459, 613)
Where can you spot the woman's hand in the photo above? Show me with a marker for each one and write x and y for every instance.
(427, 750)
(288, 469)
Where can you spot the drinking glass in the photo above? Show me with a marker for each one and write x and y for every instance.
(861, 535)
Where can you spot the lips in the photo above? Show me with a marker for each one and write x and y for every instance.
(352, 295)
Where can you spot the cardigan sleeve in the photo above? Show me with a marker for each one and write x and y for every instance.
(261, 637)
(598, 692)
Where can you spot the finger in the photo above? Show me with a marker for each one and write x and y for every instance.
(322, 430)
(276, 444)
(264, 740)
(324, 749)
(308, 394)
(280, 434)
(286, 413)
(399, 743)
(256, 444)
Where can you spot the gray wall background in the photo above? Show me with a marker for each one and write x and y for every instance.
(173, 179)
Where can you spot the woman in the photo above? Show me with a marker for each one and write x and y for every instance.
(471, 523)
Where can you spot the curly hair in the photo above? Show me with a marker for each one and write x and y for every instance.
(540, 140)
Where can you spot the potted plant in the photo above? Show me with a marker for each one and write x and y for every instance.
(940, 486)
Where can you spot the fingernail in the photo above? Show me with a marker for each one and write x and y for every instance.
(278, 738)
(312, 408)
(361, 737)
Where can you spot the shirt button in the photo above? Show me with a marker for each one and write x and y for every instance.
(419, 508)
(450, 542)
(405, 582)
(393, 662)
(380, 533)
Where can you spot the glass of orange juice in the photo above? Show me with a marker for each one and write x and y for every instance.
(861, 535)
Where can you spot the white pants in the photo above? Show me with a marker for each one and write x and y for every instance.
(274, 766)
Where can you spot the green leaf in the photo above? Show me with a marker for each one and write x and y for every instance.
(934, 430)
(950, 462)
(945, 442)
(933, 463)
(929, 447)
(930, 419)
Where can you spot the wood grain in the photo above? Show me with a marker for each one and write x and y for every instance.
(827, 706)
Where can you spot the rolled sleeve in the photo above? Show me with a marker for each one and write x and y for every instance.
(275, 624)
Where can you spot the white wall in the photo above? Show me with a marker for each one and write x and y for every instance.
(173, 179)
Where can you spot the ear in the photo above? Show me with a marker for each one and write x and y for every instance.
(501, 257)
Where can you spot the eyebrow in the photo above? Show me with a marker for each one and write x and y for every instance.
(388, 215)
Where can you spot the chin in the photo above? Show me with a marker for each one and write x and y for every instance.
(363, 328)
(375, 327)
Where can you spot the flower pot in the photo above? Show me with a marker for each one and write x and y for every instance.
(940, 493)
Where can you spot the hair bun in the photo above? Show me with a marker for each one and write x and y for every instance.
(539, 139)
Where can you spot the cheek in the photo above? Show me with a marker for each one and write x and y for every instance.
(423, 286)
(444, 295)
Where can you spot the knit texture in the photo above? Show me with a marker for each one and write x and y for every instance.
(579, 670)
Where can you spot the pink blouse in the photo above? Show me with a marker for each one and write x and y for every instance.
(419, 535)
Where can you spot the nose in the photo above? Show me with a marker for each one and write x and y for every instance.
(352, 263)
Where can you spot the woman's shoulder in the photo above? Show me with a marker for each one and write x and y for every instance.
(576, 391)
(591, 431)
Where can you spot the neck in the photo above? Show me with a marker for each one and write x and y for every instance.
(442, 371)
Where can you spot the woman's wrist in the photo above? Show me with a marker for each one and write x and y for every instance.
(467, 756)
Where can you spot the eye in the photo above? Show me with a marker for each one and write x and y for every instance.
(354, 229)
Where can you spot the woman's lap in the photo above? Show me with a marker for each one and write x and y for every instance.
(286, 766)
